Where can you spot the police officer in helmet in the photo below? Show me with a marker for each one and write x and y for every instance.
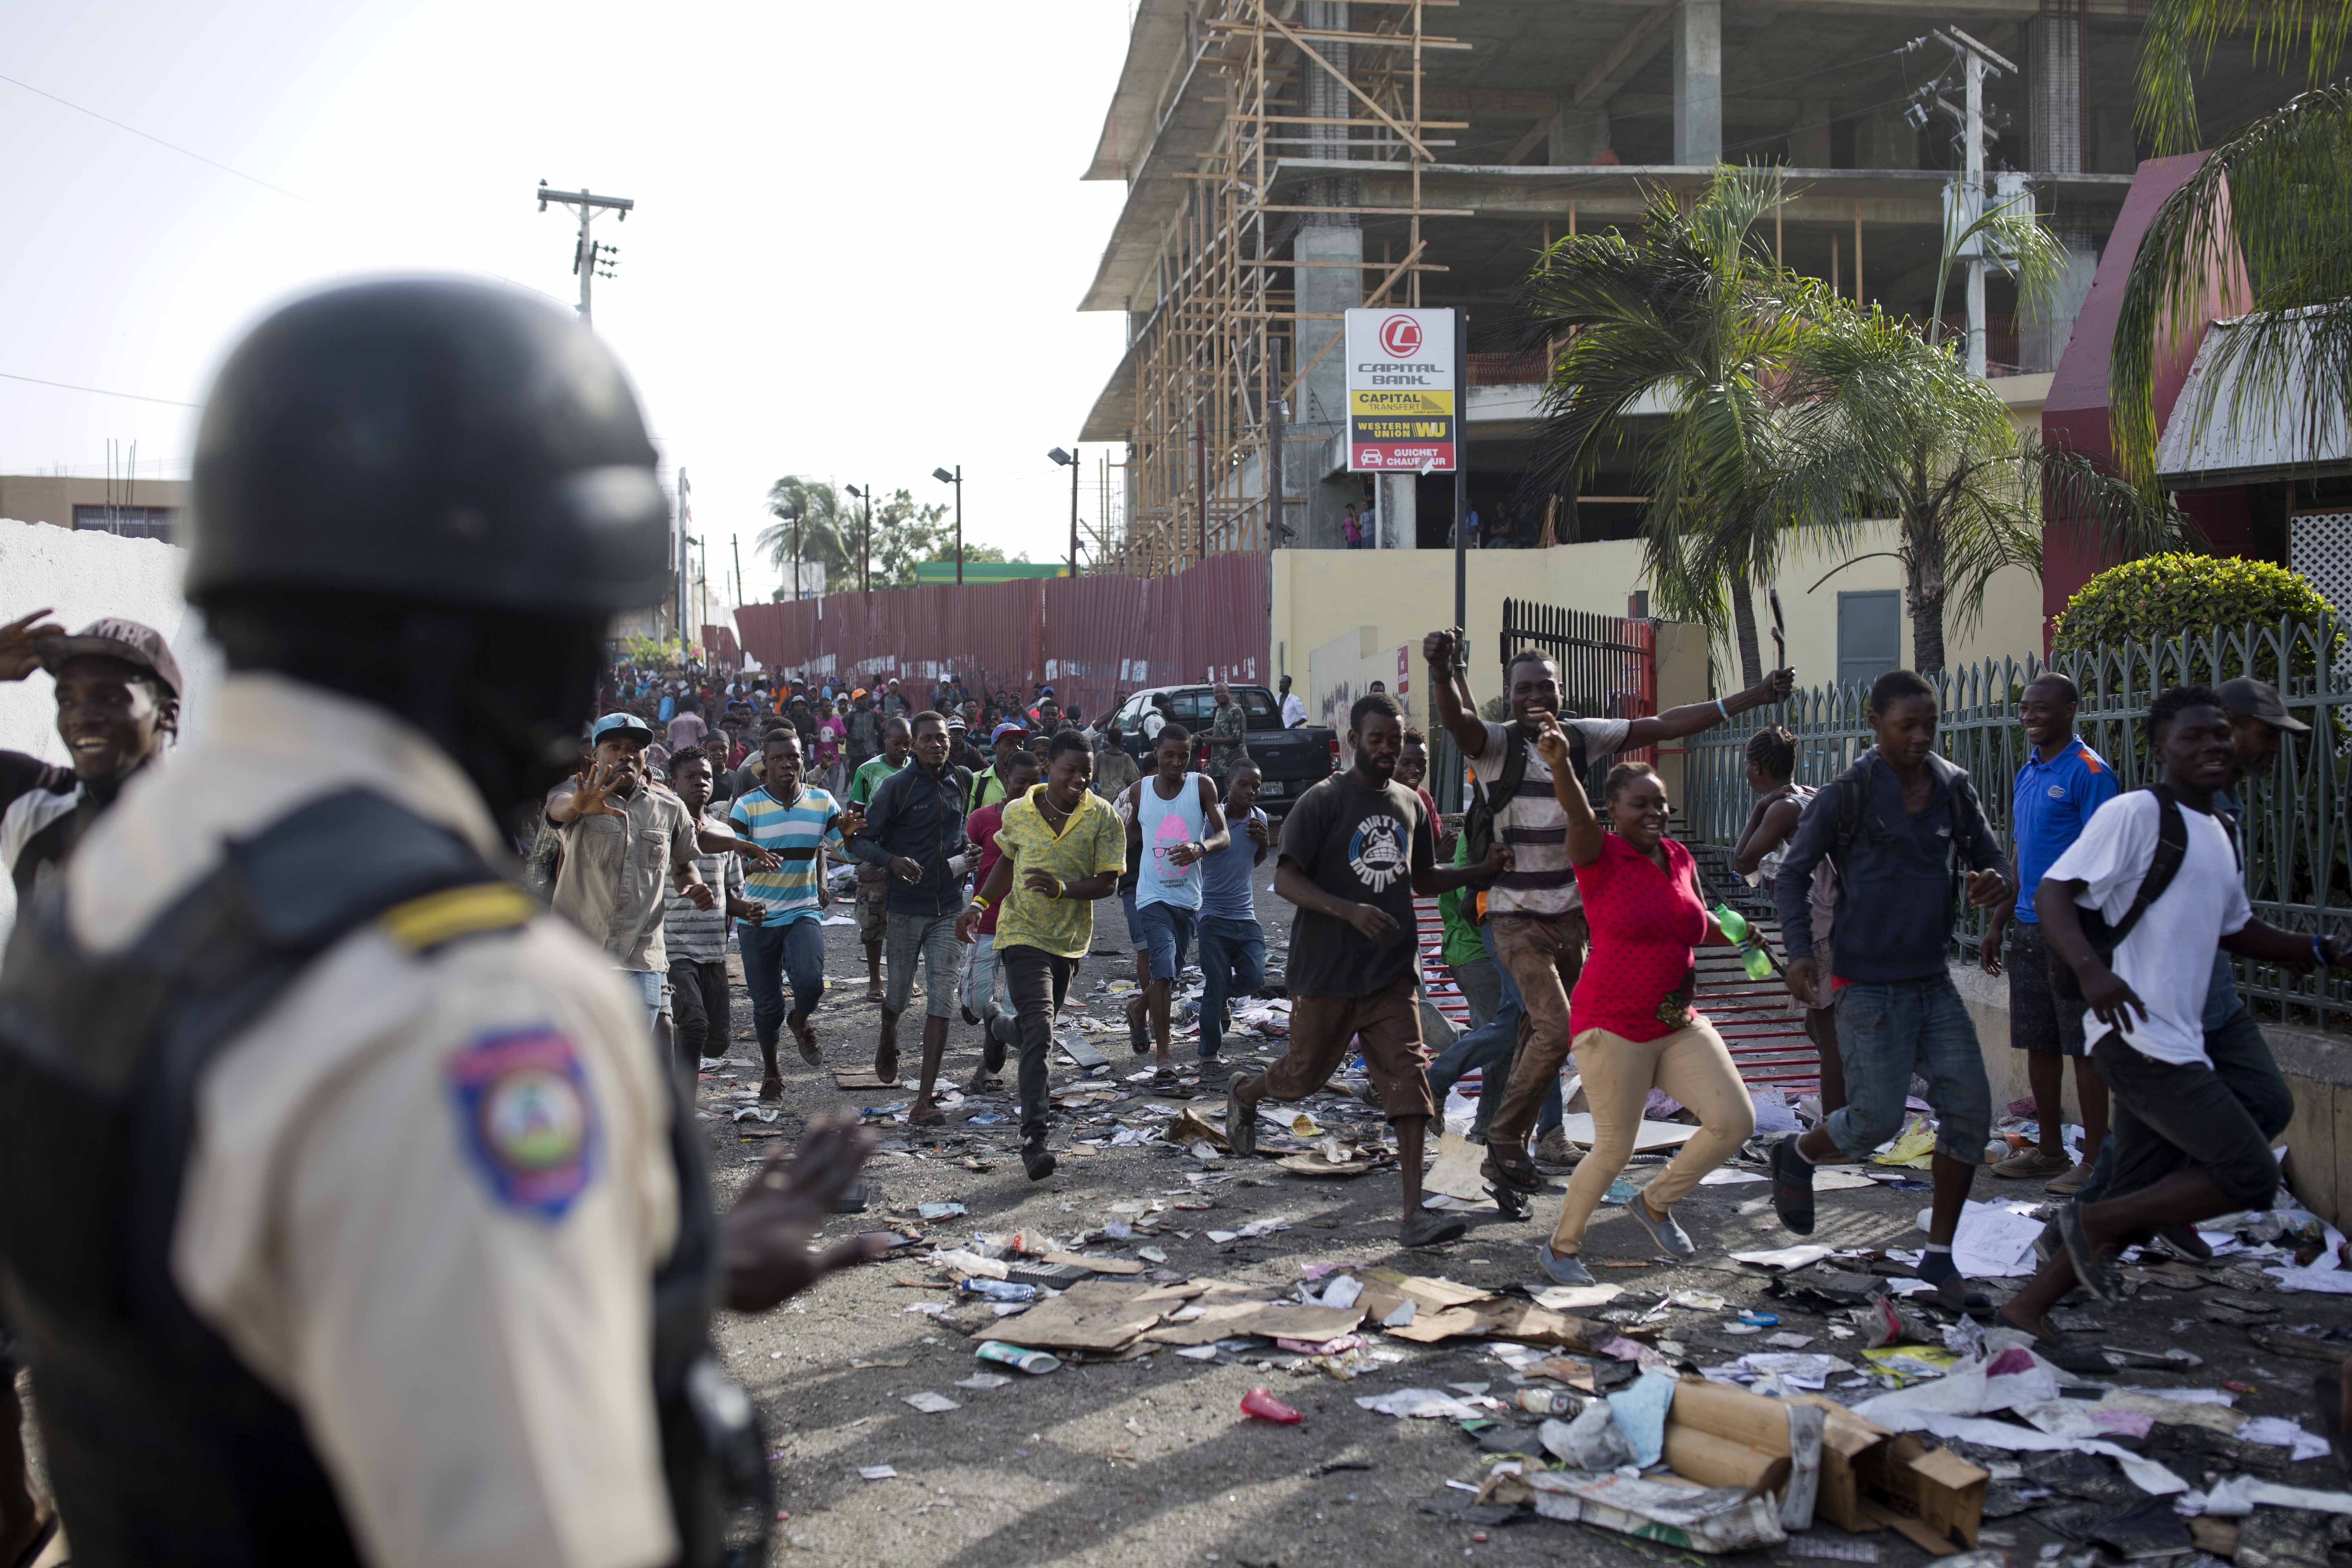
(345, 1215)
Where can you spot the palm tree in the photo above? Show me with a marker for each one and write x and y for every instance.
(1690, 310)
(2273, 199)
(811, 526)
(1789, 407)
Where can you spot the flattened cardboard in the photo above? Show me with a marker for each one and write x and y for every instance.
(1268, 1319)
(1102, 1316)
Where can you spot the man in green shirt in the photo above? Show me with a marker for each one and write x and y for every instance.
(988, 785)
(1228, 742)
(1063, 847)
(897, 745)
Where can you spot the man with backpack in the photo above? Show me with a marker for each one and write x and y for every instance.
(1539, 932)
(2234, 1044)
(1893, 825)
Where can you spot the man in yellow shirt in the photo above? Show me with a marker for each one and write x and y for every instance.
(1063, 847)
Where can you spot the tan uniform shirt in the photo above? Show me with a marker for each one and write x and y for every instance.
(426, 1192)
(618, 871)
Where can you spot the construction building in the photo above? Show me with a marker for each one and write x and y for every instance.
(1286, 160)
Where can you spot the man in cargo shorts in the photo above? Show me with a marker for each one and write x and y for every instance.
(1355, 849)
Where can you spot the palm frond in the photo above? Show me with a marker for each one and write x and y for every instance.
(2267, 225)
(2181, 35)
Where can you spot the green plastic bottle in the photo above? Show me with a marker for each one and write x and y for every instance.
(1745, 942)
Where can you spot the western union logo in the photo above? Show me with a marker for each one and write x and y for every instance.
(1403, 404)
(1402, 429)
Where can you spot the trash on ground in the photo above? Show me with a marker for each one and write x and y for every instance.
(1264, 1407)
(931, 1404)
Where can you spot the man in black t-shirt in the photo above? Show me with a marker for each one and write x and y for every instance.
(1355, 850)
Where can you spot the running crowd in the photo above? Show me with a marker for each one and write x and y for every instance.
(1572, 922)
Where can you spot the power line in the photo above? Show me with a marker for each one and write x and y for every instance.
(98, 390)
(159, 141)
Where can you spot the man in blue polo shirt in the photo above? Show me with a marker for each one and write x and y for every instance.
(2061, 783)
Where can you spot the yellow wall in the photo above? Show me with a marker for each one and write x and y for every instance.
(1322, 594)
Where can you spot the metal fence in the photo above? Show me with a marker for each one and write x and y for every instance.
(2298, 874)
(1608, 665)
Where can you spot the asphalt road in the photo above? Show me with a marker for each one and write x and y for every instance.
(1150, 1462)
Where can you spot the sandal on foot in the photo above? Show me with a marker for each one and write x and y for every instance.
(1165, 1078)
(885, 1062)
(2093, 1272)
(1793, 1185)
(1138, 1029)
(1037, 1159)
(1240, 1122)
(1215, 1069)
(1511, 1167)
(1431, 1227)
(1568, 1271)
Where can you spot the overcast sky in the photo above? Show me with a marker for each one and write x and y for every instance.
(859, 242)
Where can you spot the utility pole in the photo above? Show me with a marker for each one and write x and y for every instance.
(956, 479)
(1277, 526)
(1974, 60)
(1461, 467)
(865, 534)
(737, 541)
(685, 516)
(588, 260)
(1071, 460)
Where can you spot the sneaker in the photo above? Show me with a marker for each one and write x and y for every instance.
(1793, 1185)
(1568, 1271)
(969, 1016)
(1240, 1122)
(1037, 1159)
(1949, 1288)
(1553, 1149)
(1429, 1227)
(2071, 1182)
(991, 1043)
(2033, 1163)
(1672, 1238)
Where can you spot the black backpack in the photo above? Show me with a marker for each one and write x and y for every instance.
(1486, 804)
(1853, 823)
(2172, 850)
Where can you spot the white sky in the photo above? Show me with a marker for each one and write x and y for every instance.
(859, 241)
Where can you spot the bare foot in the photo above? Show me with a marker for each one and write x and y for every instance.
(925, 1114)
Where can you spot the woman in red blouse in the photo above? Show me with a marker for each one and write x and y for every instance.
(1630, 1026)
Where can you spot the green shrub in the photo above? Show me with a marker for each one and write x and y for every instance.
(2163, 597)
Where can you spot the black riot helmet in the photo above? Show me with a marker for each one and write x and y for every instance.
(432, 495)
(428, 438)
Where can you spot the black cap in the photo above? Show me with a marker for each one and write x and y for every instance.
(126, 641)
(2246, 698)
(446, 441)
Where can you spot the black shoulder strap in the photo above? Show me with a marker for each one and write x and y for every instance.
(2164, 864)
(1853, 790)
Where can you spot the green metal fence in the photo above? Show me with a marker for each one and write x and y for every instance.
(2295, 843)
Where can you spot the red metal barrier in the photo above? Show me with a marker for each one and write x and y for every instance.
(1093, 639)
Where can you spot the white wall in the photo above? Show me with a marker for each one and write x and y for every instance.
(80, 577)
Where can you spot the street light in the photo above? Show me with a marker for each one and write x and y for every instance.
(1070, 461)
(865, 534)
(956, 479)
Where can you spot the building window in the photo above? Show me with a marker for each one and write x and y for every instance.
(1870, 635)
(130, 521)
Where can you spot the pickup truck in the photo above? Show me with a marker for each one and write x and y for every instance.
(1291, 760)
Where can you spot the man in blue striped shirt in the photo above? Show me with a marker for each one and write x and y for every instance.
(797, 825)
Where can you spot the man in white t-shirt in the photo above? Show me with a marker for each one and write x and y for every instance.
(1539, 935)
(2144, 1008)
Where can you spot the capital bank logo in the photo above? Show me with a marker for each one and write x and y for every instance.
(1401, 336)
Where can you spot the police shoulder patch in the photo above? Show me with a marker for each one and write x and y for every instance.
(526, 1118)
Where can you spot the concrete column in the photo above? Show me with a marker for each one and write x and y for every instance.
(1579, 136)
(1399, 519)
(1698, 82)
(2041, 338)
(1809, 134)
(2054, 86)
(1320, 411)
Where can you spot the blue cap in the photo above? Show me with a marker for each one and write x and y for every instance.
(622, 724)
(1007, 728)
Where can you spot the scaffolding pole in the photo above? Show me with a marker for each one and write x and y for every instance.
(1206, 365)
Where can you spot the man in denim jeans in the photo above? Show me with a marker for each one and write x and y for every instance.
(1232, 944)
(1893, 825)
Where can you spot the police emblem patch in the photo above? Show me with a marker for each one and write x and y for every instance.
(527, 1120)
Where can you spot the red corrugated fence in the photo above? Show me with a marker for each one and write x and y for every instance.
(1094, 639)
